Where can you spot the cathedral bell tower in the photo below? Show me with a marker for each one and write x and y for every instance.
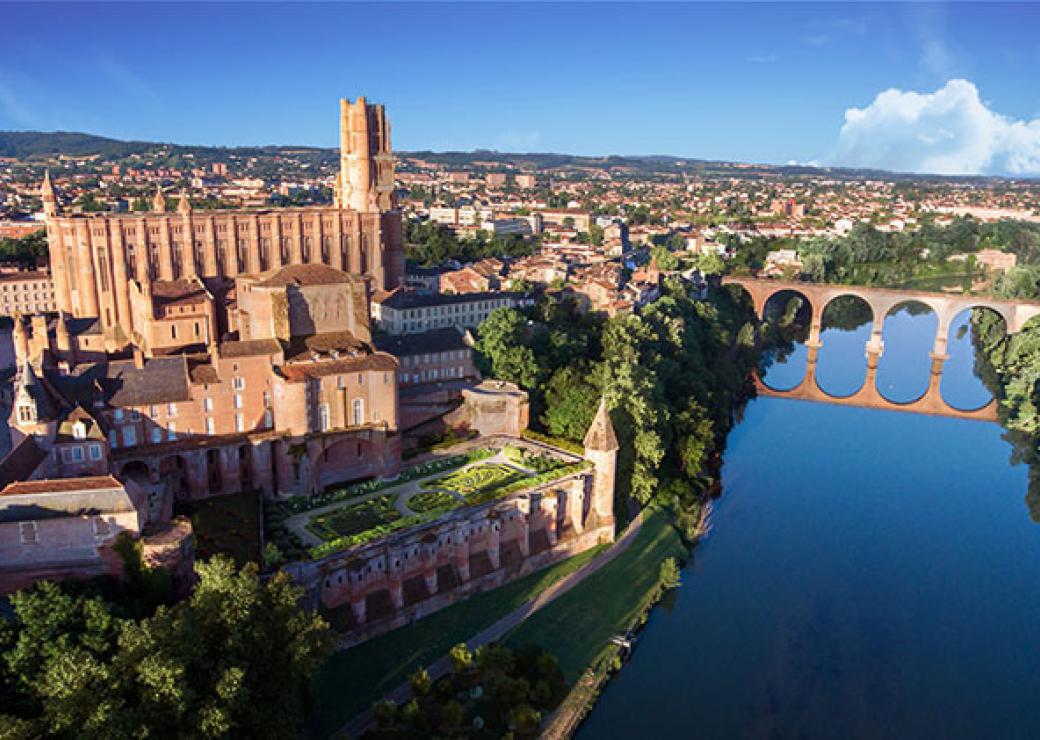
(366, 165)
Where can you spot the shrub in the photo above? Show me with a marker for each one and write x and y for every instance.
(461, 657)
(386, 714)
(273, 556)
(420, 682)
(669, 576)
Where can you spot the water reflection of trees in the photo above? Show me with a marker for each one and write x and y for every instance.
(847, 313)
(788, 316)
(1009, 366)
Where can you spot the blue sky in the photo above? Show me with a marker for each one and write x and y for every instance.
(747, 82)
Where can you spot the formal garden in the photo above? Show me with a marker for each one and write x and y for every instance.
(347, 516)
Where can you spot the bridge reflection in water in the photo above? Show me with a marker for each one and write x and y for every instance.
(881, 301)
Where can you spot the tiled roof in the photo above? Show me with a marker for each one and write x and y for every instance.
(310, 274)
(301, 370)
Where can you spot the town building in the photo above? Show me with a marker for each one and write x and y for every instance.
(26, 292)
(408, 312)
(429, 357)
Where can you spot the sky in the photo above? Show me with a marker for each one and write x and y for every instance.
(949, 88)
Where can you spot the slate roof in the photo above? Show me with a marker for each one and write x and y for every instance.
(403, 299)
(21, 462)
(161, 380)
(446, 339)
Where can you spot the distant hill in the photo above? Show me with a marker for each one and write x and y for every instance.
(38, 144)
(25, 144)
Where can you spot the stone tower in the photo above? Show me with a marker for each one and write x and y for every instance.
(601, 447)
(366, 166)
(50, 201)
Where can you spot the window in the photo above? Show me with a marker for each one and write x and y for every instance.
(171, 431)
(171, 409)
(129, 437)
(27, 532)
(95, 451)
(207, 404)
(359, 411)
(268, 419)
(156, 435)
(118, 415)
(267, 399)
(113, 439)
(238, 383)
(240, 423)
(77, 454)
(135, 415)
(323, 418)
(210, 426)
(238, 400)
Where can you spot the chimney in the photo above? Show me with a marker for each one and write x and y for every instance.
(138, 358)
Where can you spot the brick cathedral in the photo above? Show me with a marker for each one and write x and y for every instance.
(203, 352)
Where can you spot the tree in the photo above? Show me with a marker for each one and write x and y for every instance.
(710, 263)
(501, 344)
(669, 576)
(239, 657)
(571, 402)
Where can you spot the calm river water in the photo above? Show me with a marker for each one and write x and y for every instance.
(869, 573)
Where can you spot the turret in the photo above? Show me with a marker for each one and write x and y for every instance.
(63, 342)
(601, 447)
(159, 201)
(184, 204)
(50, 200)
(21, 340)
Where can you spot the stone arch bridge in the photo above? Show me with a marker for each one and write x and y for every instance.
(881, 301)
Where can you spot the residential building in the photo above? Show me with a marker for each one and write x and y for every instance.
(410, 312)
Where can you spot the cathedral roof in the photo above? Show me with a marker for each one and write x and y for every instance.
(601, 434)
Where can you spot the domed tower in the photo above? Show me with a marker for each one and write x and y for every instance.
(601, 448)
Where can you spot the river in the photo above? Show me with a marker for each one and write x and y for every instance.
(868, 574)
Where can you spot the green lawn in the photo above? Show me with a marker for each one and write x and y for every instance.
(228, 524)
(576, 627)
(352, 680)
(354, 518)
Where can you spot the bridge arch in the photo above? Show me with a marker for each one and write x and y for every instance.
(847, 320)
(961, 387)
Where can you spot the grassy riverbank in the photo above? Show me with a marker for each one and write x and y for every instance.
(578, 625)
(353, 679)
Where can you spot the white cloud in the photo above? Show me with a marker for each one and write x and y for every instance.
(763, 59)
(950, 132)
